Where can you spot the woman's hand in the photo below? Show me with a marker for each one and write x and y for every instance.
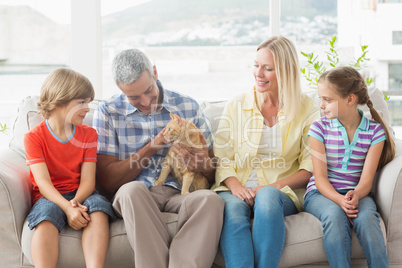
(245, 194)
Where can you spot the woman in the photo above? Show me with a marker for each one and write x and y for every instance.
(265, 162)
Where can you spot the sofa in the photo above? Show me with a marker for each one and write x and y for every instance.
(304, 240)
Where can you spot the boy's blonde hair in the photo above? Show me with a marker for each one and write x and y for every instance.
(287, 73)
(62, 86)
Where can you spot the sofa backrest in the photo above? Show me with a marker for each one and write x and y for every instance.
(28, 116)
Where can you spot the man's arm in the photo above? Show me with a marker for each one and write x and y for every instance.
(198, 160)
(112, 173)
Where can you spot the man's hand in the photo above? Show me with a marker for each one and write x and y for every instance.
(159, 141)
(196, 160)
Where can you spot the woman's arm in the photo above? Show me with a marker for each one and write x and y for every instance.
(297, 180)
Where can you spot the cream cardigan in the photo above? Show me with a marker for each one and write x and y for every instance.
(238, 137)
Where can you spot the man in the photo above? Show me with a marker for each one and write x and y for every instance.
(131, 150)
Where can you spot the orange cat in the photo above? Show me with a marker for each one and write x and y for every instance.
(183, 132)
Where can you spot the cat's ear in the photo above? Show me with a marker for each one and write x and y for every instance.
(172, 116)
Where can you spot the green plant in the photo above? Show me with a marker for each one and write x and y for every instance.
(315, 67)
(3, 128)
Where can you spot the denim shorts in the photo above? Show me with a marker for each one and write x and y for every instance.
(44, 209)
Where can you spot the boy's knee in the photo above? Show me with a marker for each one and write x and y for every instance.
(46, 225)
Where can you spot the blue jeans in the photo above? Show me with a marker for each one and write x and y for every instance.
(45, 209)
(338, 233)
(264, 245)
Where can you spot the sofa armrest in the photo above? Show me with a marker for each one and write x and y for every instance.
(388, 197)
(15, 203)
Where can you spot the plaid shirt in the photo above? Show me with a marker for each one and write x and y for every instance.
(123, 129)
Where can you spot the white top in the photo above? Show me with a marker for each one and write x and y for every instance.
(270, 147)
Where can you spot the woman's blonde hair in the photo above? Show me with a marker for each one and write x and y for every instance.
(287, 73)
(62, 86)
(346, 81)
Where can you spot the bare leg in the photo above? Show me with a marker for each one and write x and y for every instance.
(45, 245)
(95, 240)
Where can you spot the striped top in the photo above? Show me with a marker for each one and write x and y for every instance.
(345, 161)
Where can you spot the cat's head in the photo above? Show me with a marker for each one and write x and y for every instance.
(175, 128)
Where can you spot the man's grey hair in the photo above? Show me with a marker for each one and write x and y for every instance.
(128, 66)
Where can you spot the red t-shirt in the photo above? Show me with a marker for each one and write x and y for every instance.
(63, 158)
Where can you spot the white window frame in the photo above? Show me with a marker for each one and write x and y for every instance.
(86, 38)
(86, 41)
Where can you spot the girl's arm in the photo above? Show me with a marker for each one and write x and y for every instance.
(319, 158)
(365, 184)
(87, 181)
(76, 217)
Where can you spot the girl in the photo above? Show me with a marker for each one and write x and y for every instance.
(61, 154)
(347, 148)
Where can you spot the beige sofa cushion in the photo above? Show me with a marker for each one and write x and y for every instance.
(119, 254)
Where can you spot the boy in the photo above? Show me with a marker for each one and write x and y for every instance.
(61, 154)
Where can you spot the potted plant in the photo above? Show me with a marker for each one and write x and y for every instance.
(3, 128)
(315, 67)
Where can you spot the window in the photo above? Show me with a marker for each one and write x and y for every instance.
(309, 22)
(397, 37)
(35, 40)
(389, 1)
(206, 50)
(395, 78)
(201, 48)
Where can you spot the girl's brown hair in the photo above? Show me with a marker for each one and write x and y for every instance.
(346, 81)
(62, 86)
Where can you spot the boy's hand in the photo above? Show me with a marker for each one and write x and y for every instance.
(77, 218)
(75, 203)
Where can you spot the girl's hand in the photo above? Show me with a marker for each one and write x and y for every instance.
(352, 198)
(245, 194)
(349, 205)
